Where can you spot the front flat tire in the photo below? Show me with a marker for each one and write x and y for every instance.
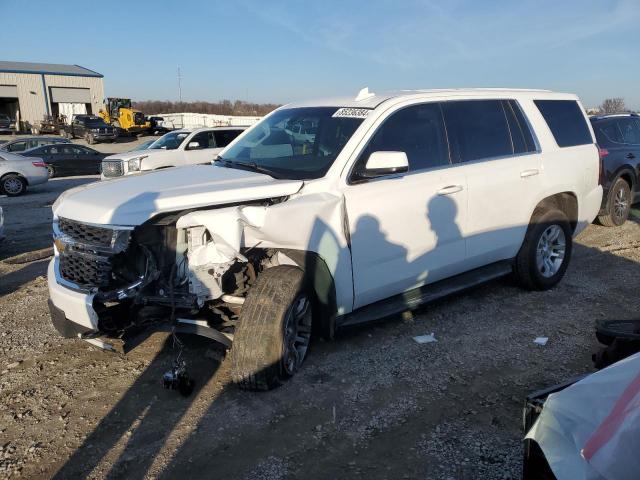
(274, 329)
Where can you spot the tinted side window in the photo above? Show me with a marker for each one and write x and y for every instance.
(521, 128)
(566, 122)
(17, 147)
(607, 132)
(225, 137)
(477, 129)
(630, 128)
(417, 131)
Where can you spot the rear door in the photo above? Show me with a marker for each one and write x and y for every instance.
(56, 157)
(71, 158)
(630, 128)
(493, 143)
(91, 160)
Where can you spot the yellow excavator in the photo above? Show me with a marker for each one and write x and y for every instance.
(118, 112)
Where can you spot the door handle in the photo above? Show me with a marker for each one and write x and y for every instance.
(529, 173)
(451, 189)
(630, 155)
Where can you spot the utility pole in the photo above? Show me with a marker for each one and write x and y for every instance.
(179, 85)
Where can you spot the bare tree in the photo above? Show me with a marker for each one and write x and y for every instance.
(223, 107)
(613, 105)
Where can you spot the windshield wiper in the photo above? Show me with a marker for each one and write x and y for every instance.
(246, 166)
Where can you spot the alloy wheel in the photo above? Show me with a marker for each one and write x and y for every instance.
(620, 205)
(297, 333)
(13, 186)
(550, 251)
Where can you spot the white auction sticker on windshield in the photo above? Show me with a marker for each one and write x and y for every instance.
(347, 112)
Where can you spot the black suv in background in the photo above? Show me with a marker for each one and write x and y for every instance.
(619, 139)
(93, 129)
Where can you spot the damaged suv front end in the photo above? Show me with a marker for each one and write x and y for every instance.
(180, 250)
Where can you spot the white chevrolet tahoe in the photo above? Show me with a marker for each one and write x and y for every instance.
(174, 149)
(387, 202)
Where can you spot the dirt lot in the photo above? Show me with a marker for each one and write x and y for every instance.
(371, 404)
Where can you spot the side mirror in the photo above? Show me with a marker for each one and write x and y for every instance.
(193, 145)
(385, 163)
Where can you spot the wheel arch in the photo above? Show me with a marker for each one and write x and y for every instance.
(566, 202)
(319, 278)
(15, 173)
(627, 174)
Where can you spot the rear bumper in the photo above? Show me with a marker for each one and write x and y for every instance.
(589, 208)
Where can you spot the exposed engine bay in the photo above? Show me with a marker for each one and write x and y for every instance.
(157, 272)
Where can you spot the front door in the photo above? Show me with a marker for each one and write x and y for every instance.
(204, 153)
(407, 229)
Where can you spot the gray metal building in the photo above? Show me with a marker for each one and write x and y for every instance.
(29, 91)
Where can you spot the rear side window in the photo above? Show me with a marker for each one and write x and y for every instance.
(630, 128)
(418, 131)
(225, 137)
(607, 132)
(566, 122)
(477, 129)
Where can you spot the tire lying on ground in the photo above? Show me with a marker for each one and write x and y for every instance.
(544, 256)
(618, 205)
(274, 329)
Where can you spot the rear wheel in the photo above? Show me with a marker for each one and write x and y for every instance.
(89, 138)
(618, 205)
(13, 185)
(51, 171)
(544, 256)
(274, 329)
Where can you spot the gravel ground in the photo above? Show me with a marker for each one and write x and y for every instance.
(372, 403)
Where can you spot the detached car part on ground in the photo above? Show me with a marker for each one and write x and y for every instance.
(18, 172)
(373, 211)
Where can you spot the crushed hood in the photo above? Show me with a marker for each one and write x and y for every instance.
(133, 200)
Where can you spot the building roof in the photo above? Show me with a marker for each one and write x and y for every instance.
(47, 69)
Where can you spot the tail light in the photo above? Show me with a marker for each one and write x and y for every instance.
(602, 153)
(39, 164)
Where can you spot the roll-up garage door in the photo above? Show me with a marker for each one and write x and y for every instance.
(8, 91)
(70, 95)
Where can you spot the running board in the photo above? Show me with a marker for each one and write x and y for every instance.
(428, 293)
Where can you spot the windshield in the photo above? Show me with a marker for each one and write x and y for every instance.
(170, 141)
(295, 143)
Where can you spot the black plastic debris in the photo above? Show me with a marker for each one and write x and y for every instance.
(621, 339)
(178, 379)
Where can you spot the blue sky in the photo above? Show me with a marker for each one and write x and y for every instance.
(280, 51)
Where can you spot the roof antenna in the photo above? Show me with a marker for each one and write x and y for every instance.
(364, 94)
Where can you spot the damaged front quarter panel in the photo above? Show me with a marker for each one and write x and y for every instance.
(311, 223)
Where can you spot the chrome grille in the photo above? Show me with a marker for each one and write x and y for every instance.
(86, 251)
(112, 168)
(85, 269)
(86, 234)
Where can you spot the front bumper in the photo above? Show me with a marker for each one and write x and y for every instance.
(71, 311)
(105, 136)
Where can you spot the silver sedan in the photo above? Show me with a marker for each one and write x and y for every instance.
(18, 172)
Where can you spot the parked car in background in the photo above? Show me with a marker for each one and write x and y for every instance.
(174, 149)
(395, 200)
(18, 172)
(68, 159)
(25, 143)
(619, 139)
(2, 237)
(6, 124)
(90, 127)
